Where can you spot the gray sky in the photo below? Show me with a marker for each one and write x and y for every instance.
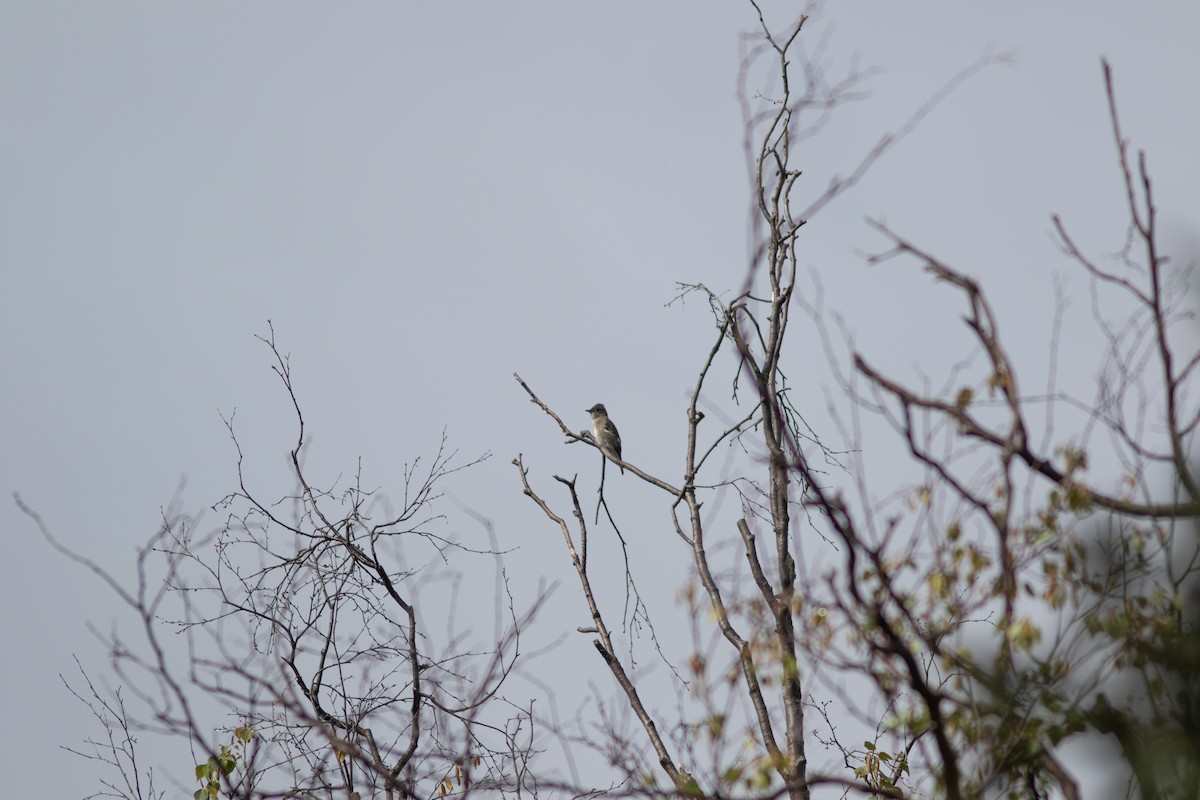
(425, 198)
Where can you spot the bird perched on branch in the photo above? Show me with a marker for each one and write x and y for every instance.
(605, 432)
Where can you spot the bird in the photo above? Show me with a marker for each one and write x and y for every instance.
(606, 432)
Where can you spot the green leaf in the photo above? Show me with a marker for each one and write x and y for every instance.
(869, 745)
(199, 794)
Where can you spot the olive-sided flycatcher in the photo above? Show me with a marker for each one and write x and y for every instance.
(605, 432)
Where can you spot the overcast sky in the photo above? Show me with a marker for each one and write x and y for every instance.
(425, 198)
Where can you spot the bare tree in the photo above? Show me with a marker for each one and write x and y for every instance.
(997, 605)
(760, 629)
(311, 628)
